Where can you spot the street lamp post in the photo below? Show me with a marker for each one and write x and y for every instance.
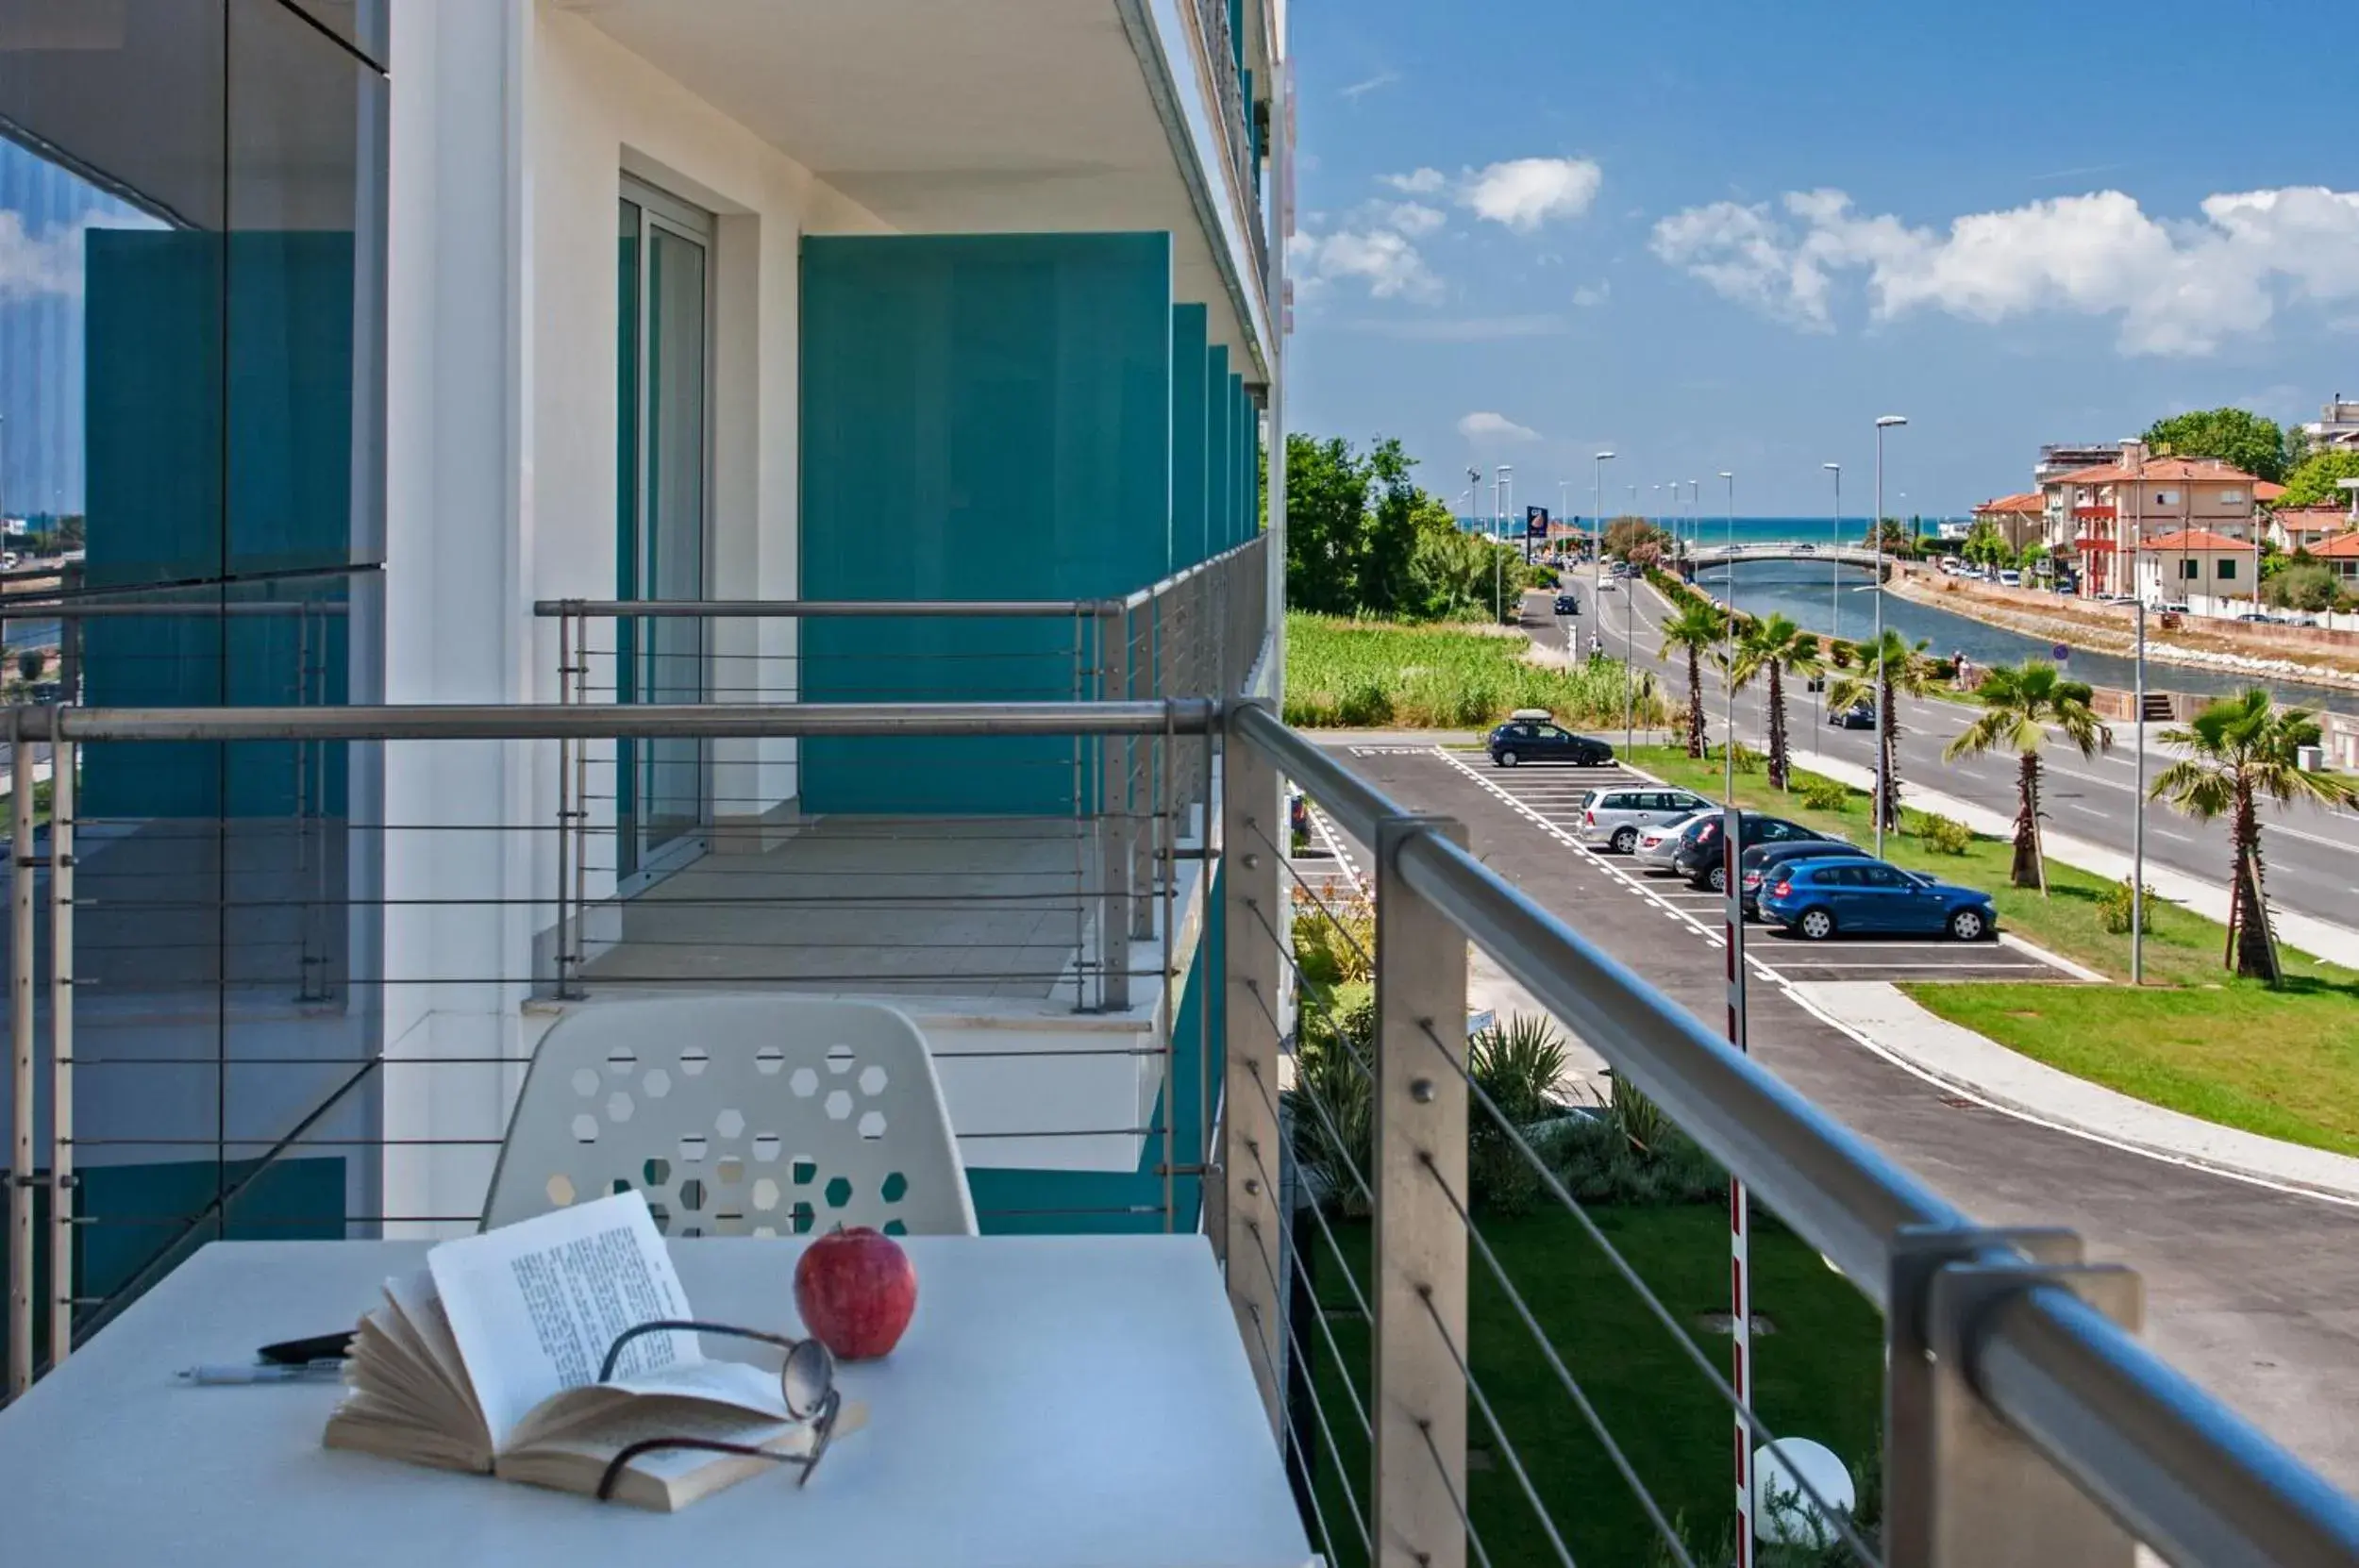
(1835, 563)
(1733, 907)
(1884, 749)
(2138, 822)
(1502, 489)
(1597, 547)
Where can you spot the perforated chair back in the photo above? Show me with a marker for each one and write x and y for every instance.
(737, 1115)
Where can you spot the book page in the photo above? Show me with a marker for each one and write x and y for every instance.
(534, 1306)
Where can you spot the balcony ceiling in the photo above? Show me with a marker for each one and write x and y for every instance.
(1031, 118)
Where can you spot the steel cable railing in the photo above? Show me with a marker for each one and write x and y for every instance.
(2094, 1441)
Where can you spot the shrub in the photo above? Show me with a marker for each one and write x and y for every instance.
(1518, 1064)
(1944, 835)
(1627, 1151)
(1334, 1111)
(1334, 935)
(1825, 794)
(1748, 760)
(2114, 907)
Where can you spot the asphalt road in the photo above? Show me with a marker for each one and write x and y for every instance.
(2311, 854)
(2252, 1291)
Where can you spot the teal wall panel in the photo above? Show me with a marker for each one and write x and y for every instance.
(1035, 1202)
(1239, 458)
(1190, 421)
(983, 417)
(1219, 441)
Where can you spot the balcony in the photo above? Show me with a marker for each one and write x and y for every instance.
(2024, 1422)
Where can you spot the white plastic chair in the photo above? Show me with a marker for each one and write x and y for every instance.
(738, 1115)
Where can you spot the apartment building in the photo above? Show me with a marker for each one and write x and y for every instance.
(402, 328)
(2094, 515)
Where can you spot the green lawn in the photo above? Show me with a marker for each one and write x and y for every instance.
(1819, 1375)
(2282, 1063)
(1375, 674)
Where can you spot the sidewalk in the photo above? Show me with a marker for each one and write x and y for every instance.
(2321, 938)
(1879, 1016)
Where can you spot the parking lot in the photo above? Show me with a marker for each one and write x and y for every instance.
(1550, 796)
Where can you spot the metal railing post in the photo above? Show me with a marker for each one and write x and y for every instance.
(1420, 1253)
(21, 1173)
(1115, 825)
(1139, 658)
(1250, 1156)
(580, 825)
(560, 936)
(61, 1181)
(1962, 1488)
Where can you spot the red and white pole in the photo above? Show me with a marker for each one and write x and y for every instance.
(1740, 1265)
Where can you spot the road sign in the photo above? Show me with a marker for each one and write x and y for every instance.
(2062, 651)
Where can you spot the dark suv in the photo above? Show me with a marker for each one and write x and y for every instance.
(1568, 605)
(1703, 862)
(1534, 740)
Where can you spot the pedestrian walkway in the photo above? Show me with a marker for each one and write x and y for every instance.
(1880, 1017)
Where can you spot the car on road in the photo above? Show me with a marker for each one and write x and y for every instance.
(1608, 585)
(1806, 549)
(1701, 858)
(2010, 578)
(1860, 716)
(1817, 899)
(1758, 864)
(1617, 818)
(1525, 740)
(1658, 844)
(1568, 605)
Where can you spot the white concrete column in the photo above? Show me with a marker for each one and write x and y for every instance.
(458, 541)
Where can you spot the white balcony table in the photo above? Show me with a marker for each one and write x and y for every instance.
(1059, 1400)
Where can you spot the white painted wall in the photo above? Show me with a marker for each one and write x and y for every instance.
(512, 124)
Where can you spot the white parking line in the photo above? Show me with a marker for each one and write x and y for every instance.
(1830, 963)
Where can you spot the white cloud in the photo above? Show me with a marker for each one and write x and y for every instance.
(32, 266)
(1420, 182)
(1487, 429)
(1525, 193)
(1590, 296)
(1385, 260)
(2177, 286)
(1382, 78)
(1410, 218)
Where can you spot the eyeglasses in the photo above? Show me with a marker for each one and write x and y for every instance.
(806, 1387)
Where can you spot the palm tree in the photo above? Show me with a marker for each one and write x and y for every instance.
(2019, 702)
(2240, 749)
(1698, 628)
(1884, 672)
(1777, 647)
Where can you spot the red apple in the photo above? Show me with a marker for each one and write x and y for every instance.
(856, 1289)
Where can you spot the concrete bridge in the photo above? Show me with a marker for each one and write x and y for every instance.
(1846, 555)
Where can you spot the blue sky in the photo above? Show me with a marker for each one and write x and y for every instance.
(1725, 236)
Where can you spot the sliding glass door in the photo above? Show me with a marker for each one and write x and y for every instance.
(664, 309)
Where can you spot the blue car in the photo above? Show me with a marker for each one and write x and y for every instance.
(1817, 898)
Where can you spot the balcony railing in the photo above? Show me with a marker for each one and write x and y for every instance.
(2022, 1421)
(1221, 54)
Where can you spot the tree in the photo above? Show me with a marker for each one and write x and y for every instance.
(1636, 540)
(1985, 544)
(2019, 702)
(1696, 628)
(1895, 536)
(2241, 749)
(30, 663)
(1776, 647)
(1326, 503)
(1886, 671)
(2313, 484)
(2236, 437)
(2302, 585)
(1385, 570)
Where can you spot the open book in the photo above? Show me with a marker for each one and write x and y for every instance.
(488, 1359)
